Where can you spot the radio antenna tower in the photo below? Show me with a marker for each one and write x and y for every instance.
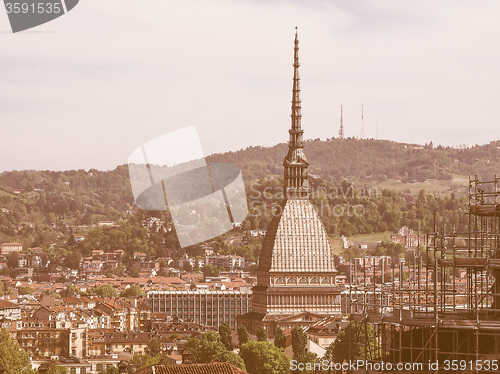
(362, 135)
(377, 130)
(341, 131)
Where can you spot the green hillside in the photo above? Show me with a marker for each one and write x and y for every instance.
(391, 184)
(378, 162)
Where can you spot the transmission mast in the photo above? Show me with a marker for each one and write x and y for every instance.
(362, 135)
(341, 131)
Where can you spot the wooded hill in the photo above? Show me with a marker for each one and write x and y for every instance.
(39, 208)
(372, 160)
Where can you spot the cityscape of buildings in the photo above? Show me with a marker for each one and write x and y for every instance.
(416, 304)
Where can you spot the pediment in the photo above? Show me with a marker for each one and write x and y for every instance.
(302, 317)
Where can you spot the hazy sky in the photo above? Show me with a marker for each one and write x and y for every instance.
(88, 88)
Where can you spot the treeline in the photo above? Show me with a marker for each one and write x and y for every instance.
(347, 209)
(370, 159)
(44, 208)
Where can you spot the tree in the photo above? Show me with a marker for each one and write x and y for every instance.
(390, 249)
(206, 348)
(350, 343)
(71, 240)
(25, 290)
(50, 218)
(226, 336)
(210, 271)
(70, 291)
(13, 260)
(141, 361)
(13, 359)
(300, 353)
(154, 347)
(4, 289)
(209, 348)
(73, 260)
(232, 358)
(262, 334)
(53, 368)
(49, 292)
(104, 290)
(110, 369)
(280, 338)
(243, 335)
(134, 271)
(264, 358)
(132, 291)
(299, 342)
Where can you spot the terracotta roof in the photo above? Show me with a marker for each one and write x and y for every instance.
(167, 280)
(5, 304)
(72, 300)
(212, 368)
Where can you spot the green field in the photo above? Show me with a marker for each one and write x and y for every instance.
(371, 238)
(458, 185)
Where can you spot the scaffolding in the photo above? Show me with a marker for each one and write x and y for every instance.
(442, 307)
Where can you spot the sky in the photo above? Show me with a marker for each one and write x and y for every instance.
(86, 89)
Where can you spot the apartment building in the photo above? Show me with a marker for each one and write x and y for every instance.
(227, 262)
(48, 339)
(6, 248)
(210, 308)
(9, 311)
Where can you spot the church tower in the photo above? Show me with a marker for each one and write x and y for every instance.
(296, 272)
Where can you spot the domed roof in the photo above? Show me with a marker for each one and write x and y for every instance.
(296, 241)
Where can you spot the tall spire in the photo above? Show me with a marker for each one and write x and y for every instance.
(341, 131)
(295, 163)
(296, 130)
(362, 135)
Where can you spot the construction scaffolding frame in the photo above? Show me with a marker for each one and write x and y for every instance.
(442, 305)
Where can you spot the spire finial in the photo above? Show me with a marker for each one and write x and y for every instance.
(341, 131)
(362, 135)
(295, 163)
(296, 112)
